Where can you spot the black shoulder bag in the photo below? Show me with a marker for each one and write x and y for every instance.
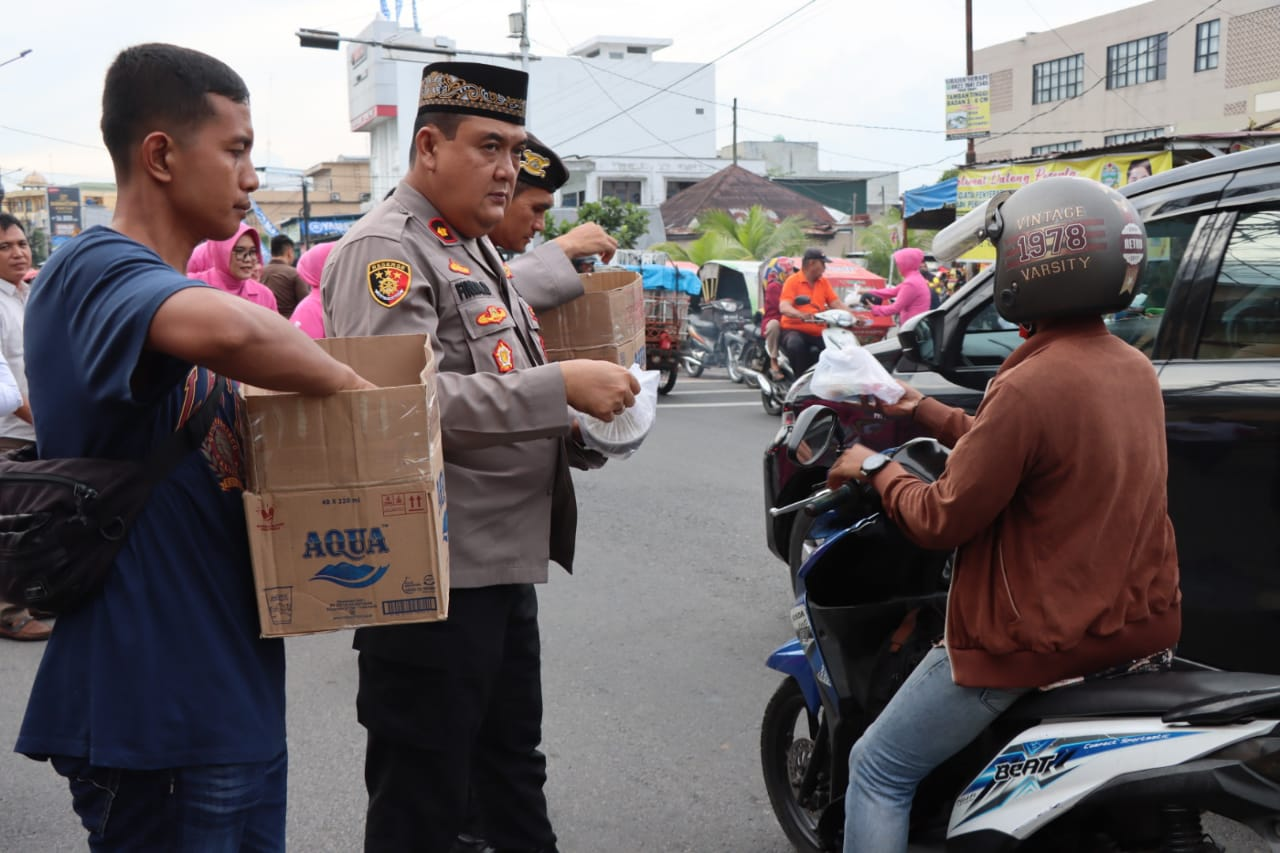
(62, 521)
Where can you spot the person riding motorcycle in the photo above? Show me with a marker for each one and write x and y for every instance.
(771, 322)
(1054, 495)
(801, 336)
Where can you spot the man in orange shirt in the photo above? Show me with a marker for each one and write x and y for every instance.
(801, 336)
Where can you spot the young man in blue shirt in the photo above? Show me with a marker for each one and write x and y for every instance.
(157, 700)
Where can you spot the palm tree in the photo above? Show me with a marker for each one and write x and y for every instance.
(758, 236)
(711, 246)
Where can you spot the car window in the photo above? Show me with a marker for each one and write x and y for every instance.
(988, 338)
(1138, 324)
(1243, 320)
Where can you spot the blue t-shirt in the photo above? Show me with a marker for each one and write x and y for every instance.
(165, 668)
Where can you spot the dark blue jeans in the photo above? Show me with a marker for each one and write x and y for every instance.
(221, 808)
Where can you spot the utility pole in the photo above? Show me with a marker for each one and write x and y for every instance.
(306, 217)
(735, 131)
(970, 157)
(518, 28)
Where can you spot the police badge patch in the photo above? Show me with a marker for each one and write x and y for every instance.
(389, 281)
(503, 357)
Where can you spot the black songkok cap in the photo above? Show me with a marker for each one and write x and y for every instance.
(540, 167)
(473, 88)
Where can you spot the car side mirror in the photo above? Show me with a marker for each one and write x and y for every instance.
(921, 338)
(816, 431)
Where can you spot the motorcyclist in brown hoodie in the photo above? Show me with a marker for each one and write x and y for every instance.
(1054, 495)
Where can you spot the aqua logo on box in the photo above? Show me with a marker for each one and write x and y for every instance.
(355, 545)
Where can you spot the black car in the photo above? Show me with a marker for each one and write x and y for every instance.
(1207, 313)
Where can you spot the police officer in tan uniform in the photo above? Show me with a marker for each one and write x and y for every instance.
(456, 706)
(545, 276)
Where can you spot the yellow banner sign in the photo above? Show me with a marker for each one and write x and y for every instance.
(968, 106)
(976, 185)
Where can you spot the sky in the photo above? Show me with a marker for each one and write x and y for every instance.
(819, 66)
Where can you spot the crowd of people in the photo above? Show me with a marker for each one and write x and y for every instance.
(157, 700)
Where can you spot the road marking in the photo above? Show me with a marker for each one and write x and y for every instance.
(700, 391)
(707, 405)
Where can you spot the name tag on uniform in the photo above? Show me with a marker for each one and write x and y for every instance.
(471, 289)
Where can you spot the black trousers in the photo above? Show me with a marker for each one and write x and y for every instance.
(454, 718)
(802, 350)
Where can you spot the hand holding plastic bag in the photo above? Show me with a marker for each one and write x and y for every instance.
(853, 372)
(623, 436)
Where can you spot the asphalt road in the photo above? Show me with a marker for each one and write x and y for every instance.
(653, 665)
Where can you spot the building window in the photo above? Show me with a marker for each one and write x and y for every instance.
(698, 111)
(1138, 61)
(616, 54)
(1133, 136)
(640, 50)
(1057, 79)
(674, 187)
(1207, 44)
(573, 199)
(1055, 147)
(623, 190)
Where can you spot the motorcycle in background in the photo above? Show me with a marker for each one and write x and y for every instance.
(709, 339)
(1105, 764)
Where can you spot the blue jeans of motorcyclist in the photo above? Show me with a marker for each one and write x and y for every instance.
(802, 349)
(928, 720)
(223, 808)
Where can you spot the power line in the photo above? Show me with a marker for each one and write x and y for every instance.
(697, 70)
(51, 138)
(1095, 85)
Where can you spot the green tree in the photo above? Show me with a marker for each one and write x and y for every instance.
(953, 172)
(625, 222)
(878, 242)
(756, 235)
(710, 246)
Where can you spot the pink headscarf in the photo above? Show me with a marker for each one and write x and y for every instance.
(309, 315)
(211, 263)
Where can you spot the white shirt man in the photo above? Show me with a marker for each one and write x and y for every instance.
(15, 260)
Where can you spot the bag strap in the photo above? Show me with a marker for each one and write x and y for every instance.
(166, 457)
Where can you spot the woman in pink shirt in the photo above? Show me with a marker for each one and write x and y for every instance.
(912, 296)
(309, 315)
(228, 265)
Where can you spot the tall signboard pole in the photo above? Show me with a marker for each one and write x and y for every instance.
(969, 156)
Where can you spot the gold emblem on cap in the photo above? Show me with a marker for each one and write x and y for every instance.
(440, 89)
(534, 163)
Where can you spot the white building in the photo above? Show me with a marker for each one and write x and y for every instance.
(1134, 74)
(647, 181)
(608, 99)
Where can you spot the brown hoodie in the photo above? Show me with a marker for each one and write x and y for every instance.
(1055, 496)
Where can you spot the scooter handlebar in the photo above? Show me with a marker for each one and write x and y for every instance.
(831, 499)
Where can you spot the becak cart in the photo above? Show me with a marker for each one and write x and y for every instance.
(667, 287)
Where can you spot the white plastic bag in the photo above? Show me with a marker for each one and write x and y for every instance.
(622, 436)
(853, 372)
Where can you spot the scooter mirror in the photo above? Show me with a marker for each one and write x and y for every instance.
(815, 432)
(801, 300)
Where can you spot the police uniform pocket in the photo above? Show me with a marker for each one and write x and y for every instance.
(492, 335)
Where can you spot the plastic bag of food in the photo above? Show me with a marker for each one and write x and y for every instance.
(622, 436)
(853, 372)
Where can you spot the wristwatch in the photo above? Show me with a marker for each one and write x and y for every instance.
(872, 464)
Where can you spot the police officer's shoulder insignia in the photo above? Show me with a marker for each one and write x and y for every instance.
(460, 269)
(389, 281)
(491, 316)
(506, 269)
(443, 232)
(503, 357)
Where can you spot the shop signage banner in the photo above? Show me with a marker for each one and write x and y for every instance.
(976, 185)
(969, 107)
(64, 214)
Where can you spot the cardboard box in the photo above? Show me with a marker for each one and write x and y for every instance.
(605, 323)
(346, 504)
